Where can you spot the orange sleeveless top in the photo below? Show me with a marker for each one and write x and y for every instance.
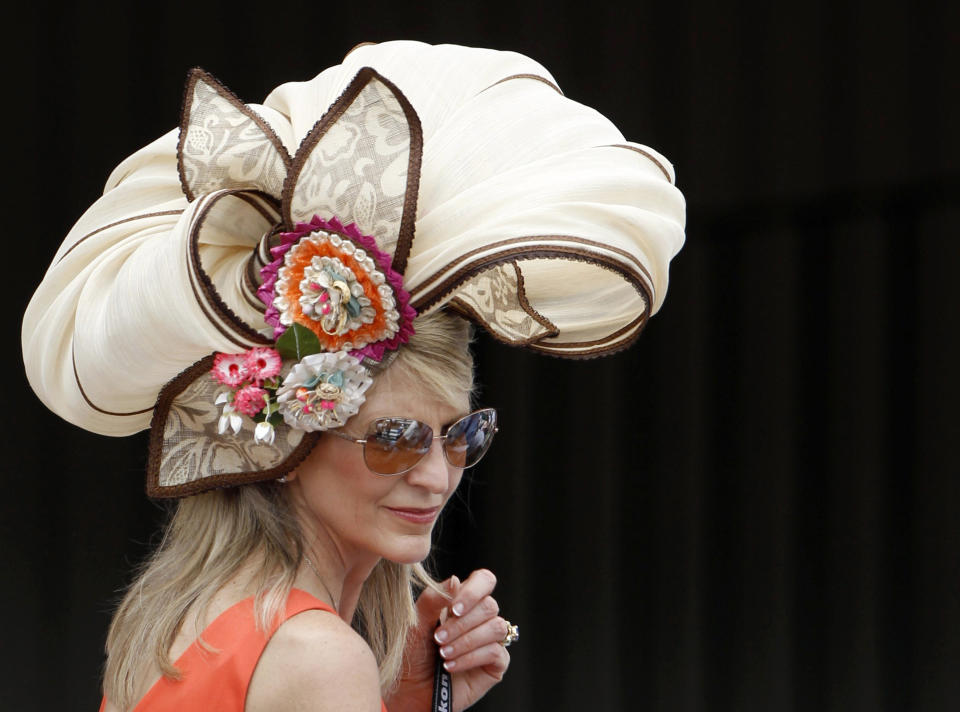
(218, 681)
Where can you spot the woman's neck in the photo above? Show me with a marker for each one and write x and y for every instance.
(332, 574)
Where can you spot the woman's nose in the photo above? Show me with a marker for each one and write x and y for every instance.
(432, 472)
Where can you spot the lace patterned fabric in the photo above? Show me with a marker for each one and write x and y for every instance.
(357, 170)
(193, 449)
(495, 298)
(225, 146)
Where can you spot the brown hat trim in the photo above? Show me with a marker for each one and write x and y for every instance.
(457, 304)
(468, 312)
(259, 258)
(248, 290)
(526, 76)
(114, 224)
(615, 335)
(160, 412)
(211, 318)
(264, 204)
(249, 280)
(86, 398)
(648, 155)
(242, 334)
(640, 281)
(611, 345)
(640, 276)
(527, 307)
(358, 46)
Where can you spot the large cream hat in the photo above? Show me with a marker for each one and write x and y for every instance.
(407, 179)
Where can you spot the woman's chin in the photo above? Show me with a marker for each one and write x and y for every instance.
(409, 550)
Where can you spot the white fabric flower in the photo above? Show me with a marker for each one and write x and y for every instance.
(264, 433)
(229, 417)
(323, 391)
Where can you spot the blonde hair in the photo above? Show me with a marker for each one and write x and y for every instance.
(211, 536)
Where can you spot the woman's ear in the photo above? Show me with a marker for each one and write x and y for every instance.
(288, 478)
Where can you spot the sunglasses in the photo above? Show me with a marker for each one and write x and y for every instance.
(395, 445)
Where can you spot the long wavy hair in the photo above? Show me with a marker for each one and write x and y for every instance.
(210, 537)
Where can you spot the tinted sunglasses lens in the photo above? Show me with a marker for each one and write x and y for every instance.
(469, 438)
(394, 445)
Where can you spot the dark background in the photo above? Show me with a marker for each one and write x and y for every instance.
(755, 508)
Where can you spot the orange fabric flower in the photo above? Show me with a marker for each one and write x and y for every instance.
(298, 259)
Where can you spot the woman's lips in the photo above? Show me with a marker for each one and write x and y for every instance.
(415, 514)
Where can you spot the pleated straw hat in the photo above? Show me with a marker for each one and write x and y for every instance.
(243, 277)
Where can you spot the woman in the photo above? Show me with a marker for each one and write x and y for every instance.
(349, 537)
(277, 291)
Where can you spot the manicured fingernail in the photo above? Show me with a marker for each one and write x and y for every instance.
(450, 664)
(458, 609)
(446, 651)
(441, 635)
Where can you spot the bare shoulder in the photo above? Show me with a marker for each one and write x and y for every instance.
(315, 662)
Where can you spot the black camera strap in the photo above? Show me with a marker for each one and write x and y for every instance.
(442, 687)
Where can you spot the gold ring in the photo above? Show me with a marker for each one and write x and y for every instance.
(512, 636)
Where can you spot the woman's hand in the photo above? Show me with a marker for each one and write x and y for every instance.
(469, 642)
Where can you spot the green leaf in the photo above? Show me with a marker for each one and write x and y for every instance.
(275, 418)
(298, 341)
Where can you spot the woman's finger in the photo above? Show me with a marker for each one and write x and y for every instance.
(484, 610)
(431, 603)
(493, 658)
(478, 585)
(491, 631)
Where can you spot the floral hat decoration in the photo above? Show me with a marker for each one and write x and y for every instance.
(333, 297)
(264, 256)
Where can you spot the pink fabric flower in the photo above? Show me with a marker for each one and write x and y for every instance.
(229, 369)
(268, 274)
(377, 350)
(250, 400)
(262, 363)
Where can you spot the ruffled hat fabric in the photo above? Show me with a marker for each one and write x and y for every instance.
(531, 215)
